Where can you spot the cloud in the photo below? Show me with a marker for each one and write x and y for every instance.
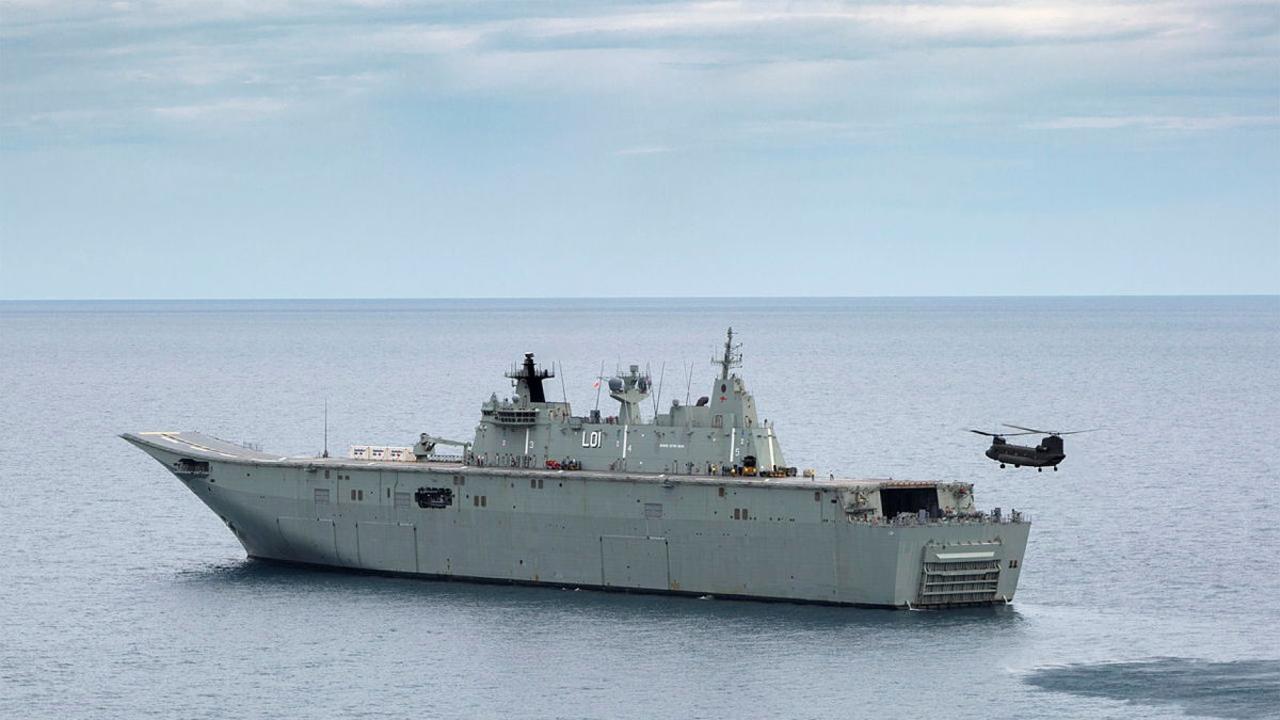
(229, 109)
(1061, 21)
(1157, 122)
(845, 69)
(644, 150)
(766, 32)
(804, 129)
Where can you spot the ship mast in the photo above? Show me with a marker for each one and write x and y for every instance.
(732, 356)
(529, 380)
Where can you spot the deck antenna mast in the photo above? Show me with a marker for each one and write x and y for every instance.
(564, 394)
(657, 398)
(688, 386)
(326, 428)
(599, 382)
(732, 357)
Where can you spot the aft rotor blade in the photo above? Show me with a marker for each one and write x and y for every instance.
(1073, 432)
(1029, 430)
(982, 432)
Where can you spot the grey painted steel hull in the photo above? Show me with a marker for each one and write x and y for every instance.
(611, 530)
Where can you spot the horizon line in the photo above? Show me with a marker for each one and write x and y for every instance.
(645, 297)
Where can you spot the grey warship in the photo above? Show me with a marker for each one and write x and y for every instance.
(697, 500)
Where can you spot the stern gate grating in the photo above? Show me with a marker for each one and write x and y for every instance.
(951, 583)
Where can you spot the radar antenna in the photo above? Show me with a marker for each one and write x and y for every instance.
(732, 356)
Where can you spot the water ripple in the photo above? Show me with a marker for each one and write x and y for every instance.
(1234, 689)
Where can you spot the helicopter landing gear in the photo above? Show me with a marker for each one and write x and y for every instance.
(1039, 469)
(1055, 468)
(1001, 466)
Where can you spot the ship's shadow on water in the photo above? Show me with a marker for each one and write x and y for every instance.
(1235, 689)
(259, 576)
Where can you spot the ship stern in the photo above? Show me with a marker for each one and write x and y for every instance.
(933, 564)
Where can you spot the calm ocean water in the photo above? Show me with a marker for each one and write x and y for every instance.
(1151, 586)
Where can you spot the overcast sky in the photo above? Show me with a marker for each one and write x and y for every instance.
(496, 149)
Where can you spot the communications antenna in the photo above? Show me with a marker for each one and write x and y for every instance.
(732, 356)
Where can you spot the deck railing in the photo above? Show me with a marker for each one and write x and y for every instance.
(994, 517)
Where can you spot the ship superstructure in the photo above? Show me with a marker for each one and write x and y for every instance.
(696, 500)
(719, 434)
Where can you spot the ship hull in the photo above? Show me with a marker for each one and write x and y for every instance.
(725, 537)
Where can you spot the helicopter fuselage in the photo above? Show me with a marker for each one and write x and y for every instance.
(1019, 455)
(1047, 454)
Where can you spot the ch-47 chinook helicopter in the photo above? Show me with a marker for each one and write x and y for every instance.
(1047, 454)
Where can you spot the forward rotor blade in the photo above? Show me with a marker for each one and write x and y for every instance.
(1047, 432)
(991, 434)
